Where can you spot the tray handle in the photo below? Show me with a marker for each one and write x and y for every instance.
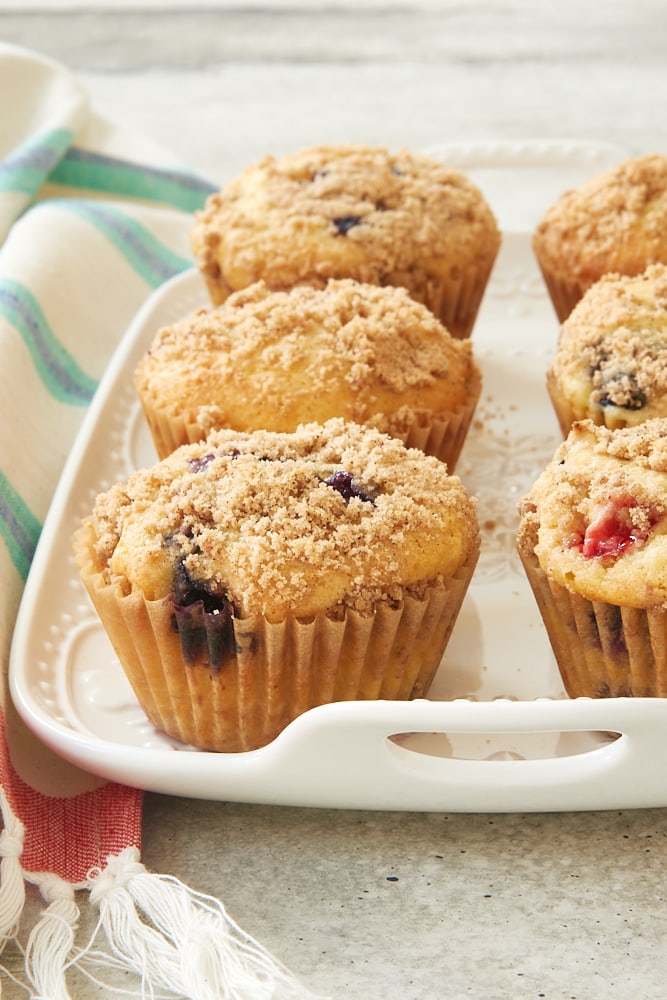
(345, 751)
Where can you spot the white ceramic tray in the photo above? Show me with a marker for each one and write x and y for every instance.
(497, 732)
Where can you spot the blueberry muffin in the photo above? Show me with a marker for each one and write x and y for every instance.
(611, 361)
(616, 222)
(249, 577)
(267, 360)
(593, 541)
(352, 211)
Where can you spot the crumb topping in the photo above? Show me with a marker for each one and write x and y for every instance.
(601, 507)
(343, 211)
(268, 521)
(616, 221)
(612, 350)
(277, 359)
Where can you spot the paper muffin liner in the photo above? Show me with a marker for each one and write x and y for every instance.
(564, 293)
(602, 650)
(564, 411)
(170, 431)
(456, 301)
(442, 436)
(220, 683)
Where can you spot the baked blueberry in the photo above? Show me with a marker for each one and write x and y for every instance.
(344, 223)
(621, 389)
(346, 484)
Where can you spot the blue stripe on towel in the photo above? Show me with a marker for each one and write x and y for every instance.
(56, 367)
(19, 528)
(83, 169)
(27, 166)
(152, 260)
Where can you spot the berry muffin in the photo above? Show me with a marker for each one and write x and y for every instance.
(249, 577)
(268, 360)
(593, 541)
(352, 211)
(616, 222)
(611, 361)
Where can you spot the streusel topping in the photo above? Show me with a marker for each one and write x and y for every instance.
(277, 359)
(615, 222)
(328, 517)
(343, 211)
(612, 350)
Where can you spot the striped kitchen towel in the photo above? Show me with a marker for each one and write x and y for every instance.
(92, 219)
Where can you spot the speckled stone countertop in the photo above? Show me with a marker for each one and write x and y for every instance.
(396, 905)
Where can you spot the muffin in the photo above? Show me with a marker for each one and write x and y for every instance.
(616, 222)
(593, 541)
(267, 360)
(352, 211)
(611, 362)
(249, 577)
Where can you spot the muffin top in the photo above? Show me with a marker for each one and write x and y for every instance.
(611, 362)
(328, 517)
(601, 506)
(273, 360)
(615, 222)
(343, 211)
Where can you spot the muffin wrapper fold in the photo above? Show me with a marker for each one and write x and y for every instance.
(602, 650)
(456, 300)
(274, 671)
(564, 293)
(442, 435)
(564, 412)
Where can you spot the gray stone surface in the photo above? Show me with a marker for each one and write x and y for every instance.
(435, 907)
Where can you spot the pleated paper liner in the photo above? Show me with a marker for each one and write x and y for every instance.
(441, 436)
(564, 411)
(602, 650)
(233, 685)
(564, 292)
(454, 298)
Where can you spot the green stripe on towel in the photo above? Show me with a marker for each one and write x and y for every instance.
(56, 367)
(19, 528)
(27, 166)
(152, 260)
(94, 172)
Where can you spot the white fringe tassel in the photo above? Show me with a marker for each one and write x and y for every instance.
(12, 886)
(174, 939)
(178, 940)
(51, 941)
